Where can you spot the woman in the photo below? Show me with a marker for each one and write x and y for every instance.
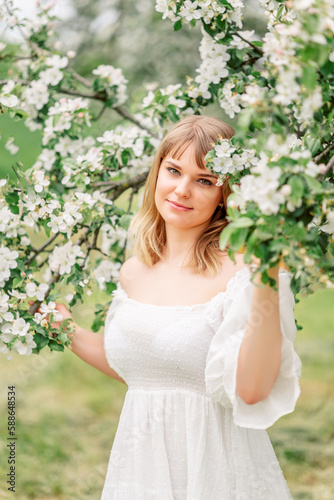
(207, 355)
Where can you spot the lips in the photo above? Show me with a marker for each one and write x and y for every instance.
(178, 205)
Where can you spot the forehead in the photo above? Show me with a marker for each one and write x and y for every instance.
(191, 151)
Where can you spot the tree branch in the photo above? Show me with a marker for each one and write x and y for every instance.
(33, 45)
(257, 49)
(119, 187)
(81, 79)
(324, 152)
(123, 112)
(39, 250)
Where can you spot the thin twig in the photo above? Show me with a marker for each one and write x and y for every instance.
(324, 152)
(30, 42)
(18, 177)
(255, 47)
(81, 79)
(119, 187)
(123, 112)
(98, 116)
(35, 306)
(97, 96)
(40, 249)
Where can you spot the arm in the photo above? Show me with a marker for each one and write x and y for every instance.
(89, 347)
(260, 352)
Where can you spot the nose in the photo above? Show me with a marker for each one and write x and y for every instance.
(182, 188)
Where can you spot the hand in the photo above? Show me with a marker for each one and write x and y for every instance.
(64, 312)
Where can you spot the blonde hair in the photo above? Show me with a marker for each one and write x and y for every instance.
(148, 227)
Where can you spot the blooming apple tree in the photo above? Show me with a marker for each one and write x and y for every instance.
(279, 164)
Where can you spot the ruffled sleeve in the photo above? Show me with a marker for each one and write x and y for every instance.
(222, 357)
(108, 340)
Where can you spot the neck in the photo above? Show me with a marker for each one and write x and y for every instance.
(179, 244)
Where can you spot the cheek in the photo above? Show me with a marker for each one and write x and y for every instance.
(209, 199)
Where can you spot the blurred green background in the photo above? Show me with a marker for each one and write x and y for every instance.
(67, 411)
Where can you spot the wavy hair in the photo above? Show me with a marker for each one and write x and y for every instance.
(147, 228)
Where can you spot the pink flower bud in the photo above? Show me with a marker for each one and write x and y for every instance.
(81, 115)
(62, 100)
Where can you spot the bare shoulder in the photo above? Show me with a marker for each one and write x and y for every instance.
(130, 271)
(230, 268)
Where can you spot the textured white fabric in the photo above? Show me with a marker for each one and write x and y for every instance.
(183, 434)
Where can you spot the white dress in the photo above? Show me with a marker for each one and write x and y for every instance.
(184, 434)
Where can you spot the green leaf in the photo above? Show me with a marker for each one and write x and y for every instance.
(177, 25)
(17, 282)
(54, 346)
(297, 187)
(238, 238)
(243, 222)
(40, 340)
(225, 236)
(263, 234)
(309, 77)
(313, 184)
(125, 157)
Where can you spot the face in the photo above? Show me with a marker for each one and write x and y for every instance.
(186, 195)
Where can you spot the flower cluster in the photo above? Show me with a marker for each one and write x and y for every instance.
(226, 160)
(213, 68)
(63, 116)
(52, 75)
(112, 81)
(261, 189)
(64, 257)
(7, 263)
(188, 11)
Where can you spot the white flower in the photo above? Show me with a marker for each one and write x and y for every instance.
(51, 76)
(50, 308)
(57, 62)
(10, 101)
(40, 291)
(36, 94)
(69, 297)
(328, 227)
(93, 159)
(253, 95)
(40, 181)
(286, 190)
(7, 262)
(64, 257)
(47, 157)
(20, 327)
(189, 10)
(162, 6)
(11, 147)
(105, 272)
(238, 42)
(4, 306)
(112, 235)
(228, 100)
(25, 349)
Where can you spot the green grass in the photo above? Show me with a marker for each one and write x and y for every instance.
(68, 413)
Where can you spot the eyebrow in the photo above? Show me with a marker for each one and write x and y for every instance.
(200, 175)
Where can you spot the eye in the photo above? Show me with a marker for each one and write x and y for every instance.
(206, 182)
(172, 170)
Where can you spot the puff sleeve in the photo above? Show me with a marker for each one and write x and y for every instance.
(110, 332)
(222, 357)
